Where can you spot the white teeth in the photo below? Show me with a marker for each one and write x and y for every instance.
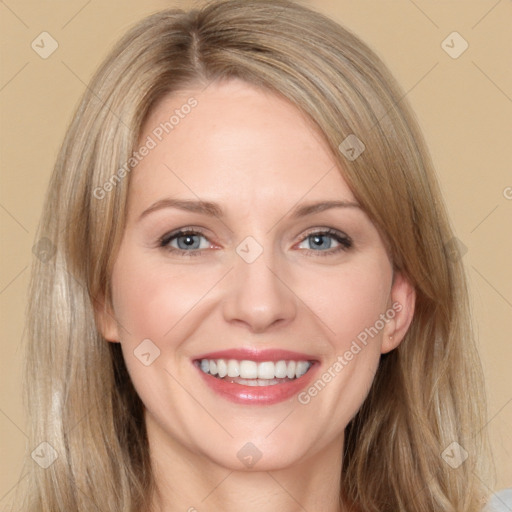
(301, 368)
(263, 374)
(249, 370)
(233, 368)
(257, 382)
(222, 368)
(291, 370)
(266, 370)
(281, 369)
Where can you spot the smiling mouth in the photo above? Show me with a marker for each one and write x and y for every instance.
(253, 373)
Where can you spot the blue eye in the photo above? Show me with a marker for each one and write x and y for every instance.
(327, 241)
(185, 241)
(188, 242)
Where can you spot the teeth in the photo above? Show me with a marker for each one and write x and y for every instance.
(301, 368)
(281, 369)
(249, 370)
(233, 368)
(257, 382)
(266, 370)
(262, 374)
(291, 370)
(222, 368)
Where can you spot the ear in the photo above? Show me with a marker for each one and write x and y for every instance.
(400, 312)
(106, 322)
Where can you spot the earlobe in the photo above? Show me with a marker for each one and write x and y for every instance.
(105, 320)
(403, 298)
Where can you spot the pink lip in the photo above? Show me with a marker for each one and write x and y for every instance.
(256, 355)
(257, 395)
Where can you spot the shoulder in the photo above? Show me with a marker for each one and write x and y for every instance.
(500, 501)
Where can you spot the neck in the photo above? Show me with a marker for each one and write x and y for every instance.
(189, 481)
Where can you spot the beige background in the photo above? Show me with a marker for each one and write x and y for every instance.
(464, 106)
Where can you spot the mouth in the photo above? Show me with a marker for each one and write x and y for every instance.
(250, 377)
(253, 373)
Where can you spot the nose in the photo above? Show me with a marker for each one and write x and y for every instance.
(258, 296)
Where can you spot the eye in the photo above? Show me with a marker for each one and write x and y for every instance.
(190, 242)
(185, 241)
(327, 241)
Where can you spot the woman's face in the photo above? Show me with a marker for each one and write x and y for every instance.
(278, 272)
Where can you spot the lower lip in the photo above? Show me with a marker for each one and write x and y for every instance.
(258, 395)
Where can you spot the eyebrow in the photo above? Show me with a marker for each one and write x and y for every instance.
(213, 209)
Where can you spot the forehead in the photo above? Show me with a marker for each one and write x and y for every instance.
(236, 141)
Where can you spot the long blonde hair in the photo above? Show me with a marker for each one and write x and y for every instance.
(427, 394)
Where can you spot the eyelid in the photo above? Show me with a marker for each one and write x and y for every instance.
(190, 230)
(165, 240)
(345, 241)
(335, 233)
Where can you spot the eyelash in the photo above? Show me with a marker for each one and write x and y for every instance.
(167, 238)
(345, 242)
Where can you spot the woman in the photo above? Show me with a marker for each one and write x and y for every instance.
(253, 300)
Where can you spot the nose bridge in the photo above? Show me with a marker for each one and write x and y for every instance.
(257, 295)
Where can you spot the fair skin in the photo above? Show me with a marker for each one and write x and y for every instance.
(255, 156)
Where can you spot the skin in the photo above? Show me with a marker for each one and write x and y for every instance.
(256, 156)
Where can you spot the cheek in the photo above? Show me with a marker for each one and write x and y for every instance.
(150, 299)
(154, 302)
(350, 300)
(350, 304)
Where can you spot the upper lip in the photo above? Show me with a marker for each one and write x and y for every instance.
(253, 354)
